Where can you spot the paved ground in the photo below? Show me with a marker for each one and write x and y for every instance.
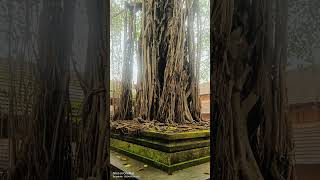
(143, 172)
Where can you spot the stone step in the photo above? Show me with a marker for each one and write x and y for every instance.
(163, 153)
(139, 171)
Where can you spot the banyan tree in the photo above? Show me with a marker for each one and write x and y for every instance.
(92, 153)
(167, 88)
(45, 152)
(252, 135)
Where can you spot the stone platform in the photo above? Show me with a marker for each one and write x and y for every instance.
(167, 151)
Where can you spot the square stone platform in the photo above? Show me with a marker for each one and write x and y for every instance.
(138, 171)
(167, 151)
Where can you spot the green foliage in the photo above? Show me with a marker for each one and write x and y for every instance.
(75, 109)
(117, 15)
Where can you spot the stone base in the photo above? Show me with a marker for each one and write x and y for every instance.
(168, 152)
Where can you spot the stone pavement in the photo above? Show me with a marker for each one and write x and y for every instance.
(142, 171)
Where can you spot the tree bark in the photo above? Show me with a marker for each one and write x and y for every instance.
(168, 89)
(124, 109)
(248, 61)
(93, 143)
(46, 152)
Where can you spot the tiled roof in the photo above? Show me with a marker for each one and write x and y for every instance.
(307, 145)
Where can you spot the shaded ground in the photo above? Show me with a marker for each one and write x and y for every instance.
(144, 172)
(137, 125)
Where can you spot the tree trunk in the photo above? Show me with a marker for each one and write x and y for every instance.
(252, 139)
(194, 51)
(125, 109)
(148, 89)
(92, 145)
(167, 89)
(47, 151)
(12, 90)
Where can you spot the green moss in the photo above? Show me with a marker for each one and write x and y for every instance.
(168, 162)
(75, 108)
(191, 154)
(149, 153)
(177, 136)
(160, 156)
(165, 145)
(186, 164)
(75, 105)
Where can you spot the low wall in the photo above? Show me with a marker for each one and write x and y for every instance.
(167, 151)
